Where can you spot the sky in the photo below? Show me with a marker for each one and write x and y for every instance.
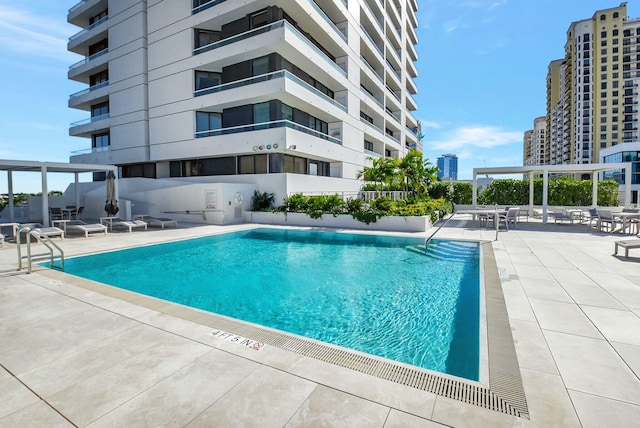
(482, 67)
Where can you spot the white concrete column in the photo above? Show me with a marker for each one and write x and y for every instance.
(531, 187)
(45, 198)
(545, 194)
(12, 215)
(627, 186)
(594, 192)
(77, 194)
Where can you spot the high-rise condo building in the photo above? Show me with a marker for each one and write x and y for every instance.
(592, 93)
(535, 143)
(447, 167)
(291, 95)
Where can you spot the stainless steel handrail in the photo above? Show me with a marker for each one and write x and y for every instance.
(44, 240)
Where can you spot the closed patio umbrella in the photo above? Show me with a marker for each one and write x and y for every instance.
(111, 206)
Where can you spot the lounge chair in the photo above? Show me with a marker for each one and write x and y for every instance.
(50, 232)
(86, 228)
(627, 245)
(129, 224)
(1, 240)
(158, 221)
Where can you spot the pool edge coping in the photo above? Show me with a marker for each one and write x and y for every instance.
(505, 393)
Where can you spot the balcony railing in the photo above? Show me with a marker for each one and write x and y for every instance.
(371, 125)
(265, 78)
(267, 125)
(90, 120)
(89, 58)
(90, 89)
(206, 6)
(266, 29)
(91, 150)
(366, 33)
(89, 28)
(328, 20)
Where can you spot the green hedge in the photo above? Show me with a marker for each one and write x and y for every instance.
(562, 192)
(316, 206)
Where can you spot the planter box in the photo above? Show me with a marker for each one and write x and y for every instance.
(342, 221)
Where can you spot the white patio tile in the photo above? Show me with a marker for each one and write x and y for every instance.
(548, 401)
(591, 294)
(563, 317)
(172, 402)
(542, 289)
(615, 325)
(597, 412)
(267, 397)
(592, 366)
(531, 347)
(329, 407)
(630, 354)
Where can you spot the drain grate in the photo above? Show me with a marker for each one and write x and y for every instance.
(505, 393)
(415, 378)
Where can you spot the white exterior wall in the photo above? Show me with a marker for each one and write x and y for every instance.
(151, 85)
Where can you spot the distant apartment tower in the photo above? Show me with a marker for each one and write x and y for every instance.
(447, 167)
(535, 143)
(296, 95)
(592, 93)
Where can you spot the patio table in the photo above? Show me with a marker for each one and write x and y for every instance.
(626, 218)
(495, 212)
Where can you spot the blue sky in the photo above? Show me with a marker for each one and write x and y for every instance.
(482, 66)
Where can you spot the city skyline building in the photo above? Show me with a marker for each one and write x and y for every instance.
(592, 93)
(292, 96)
(535, 143)
(447, 167)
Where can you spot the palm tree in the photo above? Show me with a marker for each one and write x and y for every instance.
(417, 174)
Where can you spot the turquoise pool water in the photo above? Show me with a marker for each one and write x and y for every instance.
(381, 295)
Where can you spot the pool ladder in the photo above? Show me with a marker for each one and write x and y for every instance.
(50, 255)
(426, 242)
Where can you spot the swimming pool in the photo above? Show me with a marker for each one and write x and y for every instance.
(376, 294)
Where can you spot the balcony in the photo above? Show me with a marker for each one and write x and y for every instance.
(88, 90)
(265, 78)
(268, 125)
(88, 59)
(89, 28)
(263, 30)
(89, 120)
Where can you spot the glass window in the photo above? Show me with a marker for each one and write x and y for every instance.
(100, 109)
(252, 164)
(207, 121)
(207, 79)
(99, 46)
(260, 66)
(100, 140)
(205, 37)
(98, 78)
(287, 112)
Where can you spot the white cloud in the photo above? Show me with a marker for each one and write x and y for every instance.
(430, 124)
(484, 137)
(23, 32)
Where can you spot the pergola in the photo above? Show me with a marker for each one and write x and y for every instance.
(545, 170)
(43, 168)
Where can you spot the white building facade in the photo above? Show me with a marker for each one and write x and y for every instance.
(290, 95)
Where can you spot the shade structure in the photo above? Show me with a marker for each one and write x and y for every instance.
(111, 205)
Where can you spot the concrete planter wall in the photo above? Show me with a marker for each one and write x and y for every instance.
(342, 221)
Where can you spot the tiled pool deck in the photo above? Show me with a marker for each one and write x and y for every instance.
(76, 353)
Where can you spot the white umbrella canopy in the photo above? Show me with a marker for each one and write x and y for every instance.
(111, 206)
